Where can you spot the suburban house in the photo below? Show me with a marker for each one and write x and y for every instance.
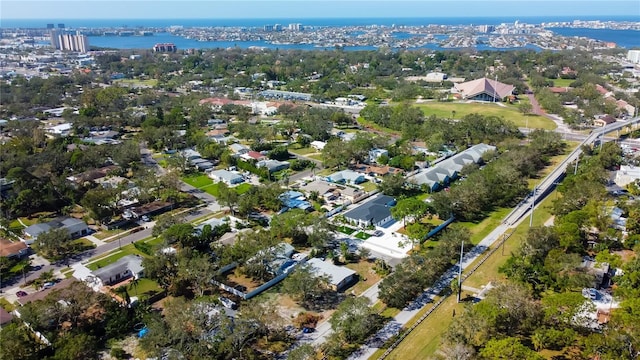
(75, 228)
(127, 267)
(626, 175)
(202, 164)
(351, 194)
(254, 155)
(239, 149)
(346, 177)
(12, 249)
(375, 212)
(318, 145)
(273, 165)
(378, 171)
(604, 121)
(92, 175)
(375, 154)
(339, 276)
(323, 188)
(225, 176)
(152, 208)
(295, 200)
(483, 89)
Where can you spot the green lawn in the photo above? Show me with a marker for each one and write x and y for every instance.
(144, 288)
(368, 186)
(346, 230)
(362, 235)
(5, 304)
(461, 109)
(197, 180)
(562, 82)
(204, 183)
(483, 228)
(296, 149)
(138, 82)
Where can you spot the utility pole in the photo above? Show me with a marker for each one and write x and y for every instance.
(460, 271)
(575, 170)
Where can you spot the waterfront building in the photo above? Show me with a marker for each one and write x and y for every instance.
(165, 47)
(634, 56)
(68, 41)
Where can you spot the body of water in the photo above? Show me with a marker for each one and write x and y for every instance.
(624, 38)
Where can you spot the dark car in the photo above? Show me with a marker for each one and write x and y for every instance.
(21, 293)
(308, 330)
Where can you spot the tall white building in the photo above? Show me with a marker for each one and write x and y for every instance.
(634, 56)
(66, 41)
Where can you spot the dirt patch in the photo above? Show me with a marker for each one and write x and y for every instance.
(235, 278)
(626, 255)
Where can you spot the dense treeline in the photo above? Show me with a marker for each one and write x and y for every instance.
(501, 183)
(542, 305)
(421, 270)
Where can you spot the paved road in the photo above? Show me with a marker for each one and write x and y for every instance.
(110, 246)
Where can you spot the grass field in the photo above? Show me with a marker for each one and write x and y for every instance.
(483, 228)
(367, 276)
(509, 113)
(137, 82)
(144, 288)
(562, 82)
(204, 183)
(296, 149)
(362, 235)
(368, 186)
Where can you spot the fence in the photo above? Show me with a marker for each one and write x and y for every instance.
(403, 335)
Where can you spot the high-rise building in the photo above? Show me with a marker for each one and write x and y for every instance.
(60, 26)
(69, 41)
(268, 28)
(50, 26)
(634, 56)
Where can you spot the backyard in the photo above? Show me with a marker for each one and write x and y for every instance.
(203, 182)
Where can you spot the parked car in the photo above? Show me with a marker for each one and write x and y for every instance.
(308, 330)
(21, 293)
(48, 285)
(378, 233)
(146, 218)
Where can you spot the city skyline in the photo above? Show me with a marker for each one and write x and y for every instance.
(301, 9)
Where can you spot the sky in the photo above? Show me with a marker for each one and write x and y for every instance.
(247, 9)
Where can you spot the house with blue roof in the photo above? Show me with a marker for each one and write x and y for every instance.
(294, 200)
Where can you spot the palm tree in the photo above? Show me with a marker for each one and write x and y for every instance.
(135, 283)
(344, 251)
(313, 167)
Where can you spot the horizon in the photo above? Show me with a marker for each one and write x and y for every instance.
(301, 9)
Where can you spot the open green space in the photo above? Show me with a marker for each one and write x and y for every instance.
(346, 230)
(143, 288)
(297, 149)
(445, 110)
(197, 180)
(481, 229)
(137, 82)
(362, 235)
(369, 186)
(5, 304)
(562, 82)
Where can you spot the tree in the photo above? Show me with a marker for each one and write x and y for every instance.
(54, 244)
(354, 320)
(392, 185)
(18, 343)
(198, 270)
(76, 346)
(409, 207)
(227, 196)
(507, 349)
(302, 352)
(163, 267)
(525, 108)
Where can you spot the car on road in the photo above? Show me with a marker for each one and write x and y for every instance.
(48, 285)
(21, 293)
(308, 330)
(378, 233)
(146, 218)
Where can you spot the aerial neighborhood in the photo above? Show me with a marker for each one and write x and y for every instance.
(234, 203)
